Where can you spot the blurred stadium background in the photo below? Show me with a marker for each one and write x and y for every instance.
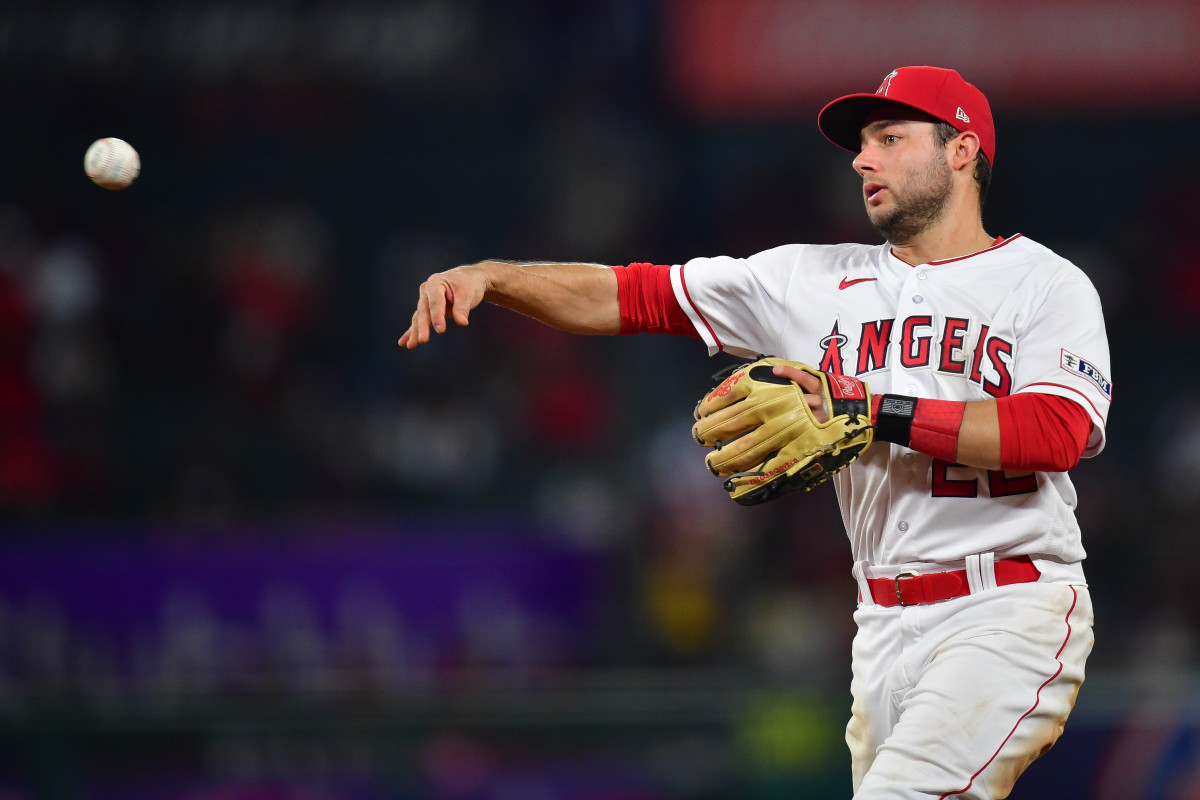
(253, 551)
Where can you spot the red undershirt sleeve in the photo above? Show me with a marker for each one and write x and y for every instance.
(1041, 432)
(648, 303)
(1038, 432)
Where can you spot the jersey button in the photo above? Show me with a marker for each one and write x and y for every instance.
(912, 390)
(903, 526)
(918, 299)
(922, 275)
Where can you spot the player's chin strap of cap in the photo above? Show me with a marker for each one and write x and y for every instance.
(982, 572)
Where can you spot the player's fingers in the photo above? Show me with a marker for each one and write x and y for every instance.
(469, 289)
(810, 383)
(816, 403)
(436, 293)
(409, 339)
(447, 294)
(458, 309)
(419, 328)
(814, 391)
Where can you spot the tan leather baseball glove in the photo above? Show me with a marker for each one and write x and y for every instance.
(765, 439)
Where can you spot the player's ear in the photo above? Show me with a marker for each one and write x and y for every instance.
(963, 149)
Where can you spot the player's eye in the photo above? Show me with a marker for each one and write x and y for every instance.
(890, 138)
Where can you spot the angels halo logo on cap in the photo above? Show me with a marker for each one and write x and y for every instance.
(939, 92)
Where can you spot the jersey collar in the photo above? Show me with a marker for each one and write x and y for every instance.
(1000, 242)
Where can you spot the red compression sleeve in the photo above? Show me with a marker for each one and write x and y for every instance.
(648, 303)
(935, 425)
(1038, 432)
(1041, 432)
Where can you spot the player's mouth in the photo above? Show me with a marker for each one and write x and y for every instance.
(872, 192)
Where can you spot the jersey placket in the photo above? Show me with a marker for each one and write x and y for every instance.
(911, 305)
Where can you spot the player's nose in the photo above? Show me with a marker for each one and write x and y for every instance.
(863, 163)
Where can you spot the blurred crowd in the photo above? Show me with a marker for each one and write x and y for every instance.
(215, 347)
(217, 343)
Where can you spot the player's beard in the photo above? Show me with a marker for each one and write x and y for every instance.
(924, 204)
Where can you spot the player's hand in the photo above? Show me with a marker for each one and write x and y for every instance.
(452, 293)
(811, 385)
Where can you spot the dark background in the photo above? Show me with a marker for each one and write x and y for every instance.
(251, 549)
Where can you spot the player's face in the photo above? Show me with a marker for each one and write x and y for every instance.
(906, 178)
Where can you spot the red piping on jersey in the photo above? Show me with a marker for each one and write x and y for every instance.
(692, 303)
(1069, 389)
(1037, 699)
(1000, 242)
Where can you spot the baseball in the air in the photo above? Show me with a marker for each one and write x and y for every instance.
(111, 163)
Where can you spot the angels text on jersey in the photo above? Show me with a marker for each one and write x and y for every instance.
(952, 346)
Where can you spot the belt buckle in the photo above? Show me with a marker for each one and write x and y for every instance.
(899, 595)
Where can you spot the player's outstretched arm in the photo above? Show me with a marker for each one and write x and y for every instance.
(578, 298)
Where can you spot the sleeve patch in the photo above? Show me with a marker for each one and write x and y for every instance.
(1078, 366)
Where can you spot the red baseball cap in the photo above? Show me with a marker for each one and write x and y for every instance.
(941, 93)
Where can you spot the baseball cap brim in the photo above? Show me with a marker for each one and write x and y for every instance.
(842, 120)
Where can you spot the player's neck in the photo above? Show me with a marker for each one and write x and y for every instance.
(954, 236)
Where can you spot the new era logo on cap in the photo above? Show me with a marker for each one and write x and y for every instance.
(939, 92)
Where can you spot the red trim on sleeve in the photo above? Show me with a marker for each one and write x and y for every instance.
(688, 295)
(1071, 389)
(648, 303)
(1041, 432)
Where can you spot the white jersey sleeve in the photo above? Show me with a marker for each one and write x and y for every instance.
(1063, 349)
(738, 305)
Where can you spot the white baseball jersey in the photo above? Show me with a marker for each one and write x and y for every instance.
(1009, 660)
(1013, 318)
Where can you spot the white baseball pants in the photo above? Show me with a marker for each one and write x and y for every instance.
(955, 699)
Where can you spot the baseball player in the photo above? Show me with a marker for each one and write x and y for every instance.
(988, 364)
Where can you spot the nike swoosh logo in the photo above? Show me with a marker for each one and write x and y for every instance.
(847, 283)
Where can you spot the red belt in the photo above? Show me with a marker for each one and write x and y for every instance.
(907, 589)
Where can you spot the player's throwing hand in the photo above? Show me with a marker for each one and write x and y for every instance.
(451, 293)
